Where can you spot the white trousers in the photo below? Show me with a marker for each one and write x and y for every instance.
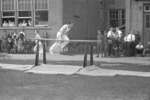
(40, 48)
(58, 46)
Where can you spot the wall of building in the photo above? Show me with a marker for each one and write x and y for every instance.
(134, 16)
(55, 22)
(84, 14)
(134, 13)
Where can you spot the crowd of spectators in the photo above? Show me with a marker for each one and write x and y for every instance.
(114, 43)
(13, 42)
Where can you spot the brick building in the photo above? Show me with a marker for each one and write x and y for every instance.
(88, 15)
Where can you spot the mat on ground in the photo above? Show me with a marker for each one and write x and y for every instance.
(70, 70)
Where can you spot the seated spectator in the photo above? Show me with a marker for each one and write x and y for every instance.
(146, 49)
(29, 23)
(11, 23)
(139, 48)
(24, 23)
(5, 24)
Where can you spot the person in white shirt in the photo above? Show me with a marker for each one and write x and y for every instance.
(110, 33)
(110, 38)
(118, 41)
(131, 44)
(139, 48)
(131, 38)
(62, 34)
(118, 33)
(38, 42)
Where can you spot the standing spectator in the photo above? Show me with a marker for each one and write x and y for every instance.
(10, 42)
(15, 41)
(21, 40)
(125, 45)
(110, 37)
(139, 49)
(38, 42)
(100, 43)
(118, 37)
(105, 44)
(131, 44)
(4, 42)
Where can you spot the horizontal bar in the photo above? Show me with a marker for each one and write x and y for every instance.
(86, 41)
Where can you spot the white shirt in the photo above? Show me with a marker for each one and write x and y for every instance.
(139, 46)
(125, 39)
(130, 38)
(22, 33)
(119, 33)
(37, 36)
(5, 24)
(64, 29)
(110, 34)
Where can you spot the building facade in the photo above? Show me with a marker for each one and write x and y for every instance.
(138, 18)
(48, 16)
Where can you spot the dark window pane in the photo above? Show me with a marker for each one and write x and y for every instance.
(24, 13)
(8, 13)
(41, 18)
(147, 21)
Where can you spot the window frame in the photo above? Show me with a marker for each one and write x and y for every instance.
(37, 9)
(25, 17)
(16, 11)
(117, 17)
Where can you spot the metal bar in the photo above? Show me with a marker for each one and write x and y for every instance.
(86, 41)
(37, 55)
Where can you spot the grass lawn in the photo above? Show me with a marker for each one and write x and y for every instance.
(16, 85)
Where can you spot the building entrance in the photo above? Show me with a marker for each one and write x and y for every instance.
(146, 27)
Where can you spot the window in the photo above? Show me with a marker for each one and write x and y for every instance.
(147, 22)
(41, 12)
(116, 17)
(24, 13)
(147, 8)
(8, 13)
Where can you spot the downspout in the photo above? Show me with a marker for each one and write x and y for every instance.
(130, 21)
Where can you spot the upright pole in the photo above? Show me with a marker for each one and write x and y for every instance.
(37, 55)
(85, 56)
(91, 54)
(44, 52)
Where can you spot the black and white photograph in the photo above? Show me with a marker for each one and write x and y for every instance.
(74, 49)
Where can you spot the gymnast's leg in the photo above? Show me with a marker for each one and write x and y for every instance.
(66, 42)
(51, 49)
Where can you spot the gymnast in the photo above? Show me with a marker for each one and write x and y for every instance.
(62, 34)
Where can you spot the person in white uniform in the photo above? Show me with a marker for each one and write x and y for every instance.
(38, 42)
(62, 34)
